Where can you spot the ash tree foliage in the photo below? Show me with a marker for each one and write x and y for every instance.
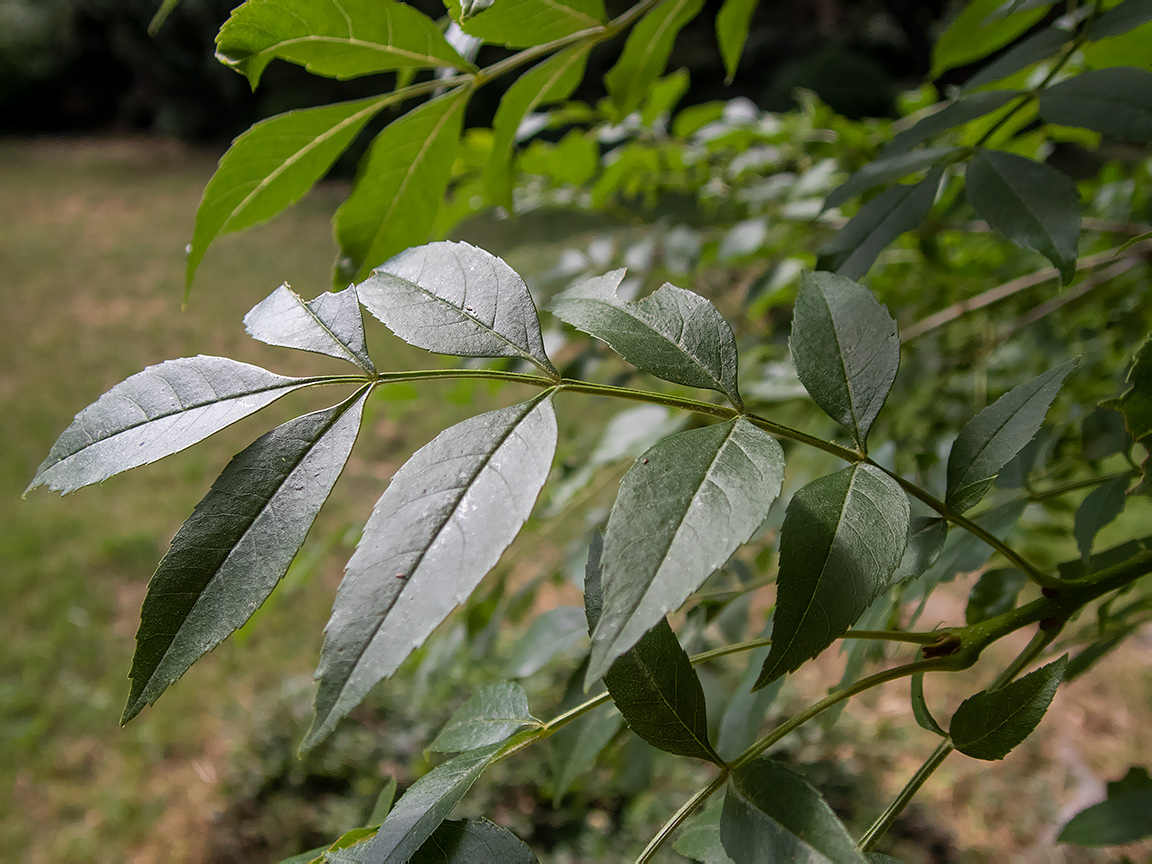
(856, 549)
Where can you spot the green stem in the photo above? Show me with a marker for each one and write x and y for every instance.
(892, 813)
(680, 815)
(1057, 491)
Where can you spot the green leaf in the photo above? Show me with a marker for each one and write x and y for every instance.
(453, 298)
(1121, 18)
(1102, 505)
(672, 333)
(699, 839)
(646, 53)
(489, 717)
(991, 723)
(550, 634)
(1116, 102)
(977, 31)
(336, 38)
(924, 718)
(425, 805)
(745, 712)
(330, 324)
(664, 96)
(994, 594)
(653, 683)
(167, 7)
(156, 413)
(473, 841)
(578, 744)
(1135, 404)
(384, 802)
(879, 858)
(732, 23)
(951, 115)
(897, 209)
(842, 537)
(237, 544)
(350, 848)
(551, 81)
(1126, 816)
(771, 813)
(886, 169)
(525, 23)
(1031, 204)
(990, 439)
(399, 186)
(684, 507)
(271, 166)
(471, 488)
(846, 350)
(1039, 46)
(926, 539)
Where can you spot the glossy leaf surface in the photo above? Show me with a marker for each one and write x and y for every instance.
(237, 544)
(1032, 204)
(399, 186)
(453, 298)
(441, 525)
(842, 537)
(990, 439)
(684, 507)
(672, 333)
(156, 413)
(846, 350)
(991, 723)
(489, 717)
(330, 324)
(524, 23)
(646, 53)
(771, 813)
(337, 38)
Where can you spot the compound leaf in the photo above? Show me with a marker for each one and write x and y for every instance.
(156, 413)
(990, 439)
(453, 298)
(336, 38)
(473, 841)
(991, 723)
(399, 186)
(1100, 507)
(1124, 817)
(271, 166)
(842, 537)
(846, 350)
(646, 53)
(886, 169)
(673, 334)
(524, 23)
(440, 526)
(732, 23)
(489, 717)
(953, 114)
(1032, 204)
(684, 507)
(771, 813)
(330, 324)
(1116, 102)
(237, 544)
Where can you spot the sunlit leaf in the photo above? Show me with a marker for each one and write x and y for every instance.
(489, 717)
(330, 324)
(524, 23)
(237, 544)
(732, 23)
(442, 523)
(977, 31)
(646, 53)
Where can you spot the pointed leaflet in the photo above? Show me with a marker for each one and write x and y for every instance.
(920, 712)
(237, 544)
(271, 166)
(846, 350)
(951, 115)
(683, 509)
(399, 186)
(425, 805)
(991, 723)
(926, 537)
(156, 413)
(897, 209)
(699, 839)
(886, 169)
(453, 298)
(337, 38)
(489, 717)
(1039, 46)
(990, 439)
(1103, 504)
(524, 23)
(551, 81)
(672, 333)
(1121, 18)
(1031, 204)
(330, 324)
(842, 537)
(653, 683)
(978, 31)
(646, 53)
(732, 23)
(771, 813)
(473, 841)
(442, 523)
(1124, 817)
(1116, 102)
